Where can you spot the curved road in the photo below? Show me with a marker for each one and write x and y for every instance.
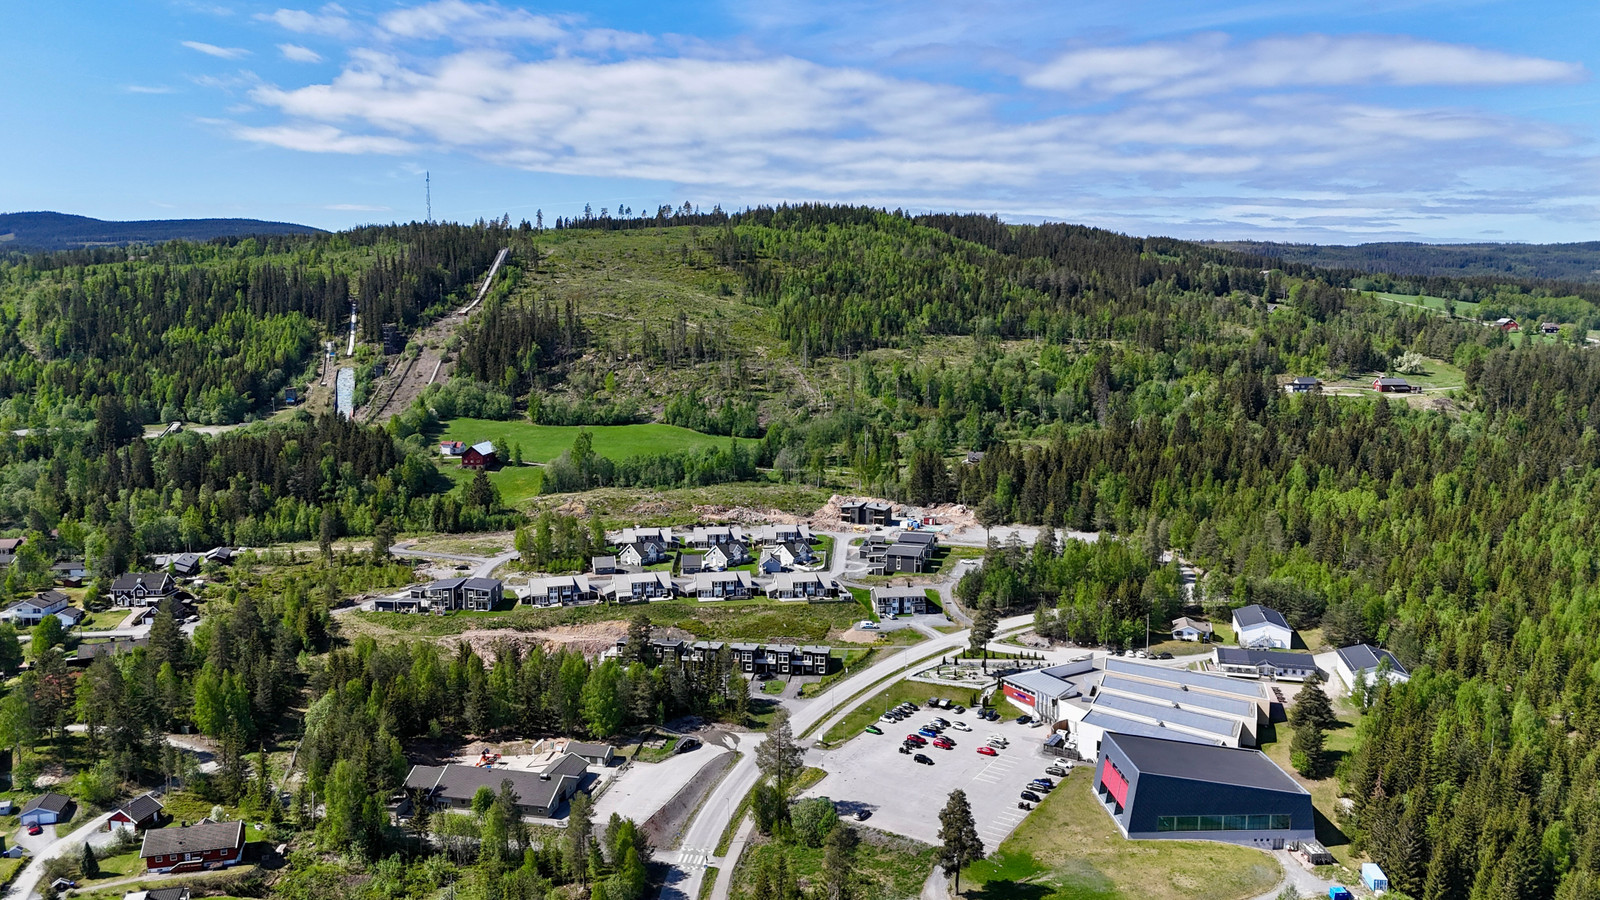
(701, 836)
(28, 879)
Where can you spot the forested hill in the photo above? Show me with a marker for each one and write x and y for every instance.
(59, 231)
(1552, 262)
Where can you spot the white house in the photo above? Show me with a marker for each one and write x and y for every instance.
(721, 556)
(1356, 665)
(561, 590)
(723, 586)
(642, 553)
(1187, 629)
(30, 612)
(1260, 628)
(802, 586)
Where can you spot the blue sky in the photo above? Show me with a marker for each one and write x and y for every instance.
(1327, 122)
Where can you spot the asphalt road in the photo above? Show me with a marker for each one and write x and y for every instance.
(27, 881)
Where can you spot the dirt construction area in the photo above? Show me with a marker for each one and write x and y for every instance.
(904, 797)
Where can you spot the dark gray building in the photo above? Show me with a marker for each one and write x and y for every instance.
(1160, 789)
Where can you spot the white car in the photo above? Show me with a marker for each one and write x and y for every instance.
(867, 625)
(960, 726)
(998, 745)
(998, 738)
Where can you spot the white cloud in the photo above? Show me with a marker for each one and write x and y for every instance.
(297, 53)
(214, 50)
(459, 20)
(331, 20)
(1213, 63)
(147, 89)
(317, 139)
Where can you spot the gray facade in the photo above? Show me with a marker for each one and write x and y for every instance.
(1157, 789)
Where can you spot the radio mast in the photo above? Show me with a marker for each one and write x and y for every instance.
(427, 181)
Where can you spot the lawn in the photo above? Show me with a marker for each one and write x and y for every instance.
(517, 484)
(895, 694)
(1338, 741)
(774, 687)
(889, 867)
(1438, 304)
(542, 443)
(757, 619)
(1068, 849)
(104, 620)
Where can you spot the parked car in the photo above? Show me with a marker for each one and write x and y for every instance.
(960, 710)
(928, 733)
(1039, 784)
(873, 729)
(687, 744)
(941, 721)
(944, 744)
(1030, 796)
(906, 749)
(988, 751)
(36, 829)
(863, 814)
(917, 739)
(1163, 655)
(889, 717)
(998, 739)
(923, 758)
(960, 726)
(1057, 771)
(1024, 719)
(867, 625)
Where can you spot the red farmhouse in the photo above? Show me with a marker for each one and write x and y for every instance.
(479, 456)
(205, 845)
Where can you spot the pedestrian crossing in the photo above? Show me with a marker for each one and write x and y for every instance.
(694, 858)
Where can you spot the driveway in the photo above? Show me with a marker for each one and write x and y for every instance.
(28, 879)
(35, 843)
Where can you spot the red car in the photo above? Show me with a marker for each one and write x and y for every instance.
(988, 751)
(35, 829)
(944, 744)
(917, 739)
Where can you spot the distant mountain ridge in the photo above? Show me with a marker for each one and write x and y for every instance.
(1558, 262)
(60, 231)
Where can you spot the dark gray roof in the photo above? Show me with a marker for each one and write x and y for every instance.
(1306, 379)
(141, 807)
(916, 550)
(481, 584)
(1362, 657)
(1281, 659)
(1201, 762)
(446, 584)
(1111, 721)
(532, 788)
(603, 562)
(152, 581)
(89, 650)
(167, 893)
(49, 598)
(1393, 381)
(917, 537)
(197, 838)
(1256, 614)
(55, 803)
(887, 592)
(600, 751)
(73, 613)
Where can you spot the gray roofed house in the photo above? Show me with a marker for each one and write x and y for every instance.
(593, 754)
(186, 564)
(1187, 629)
(691, 563)
(912, 558)
(1356, 664)
(801, 586)
(603, 565)
(1261, 627)
(1252, 662)
(166, 893)
(205, 844)
(1303, 385)
(539, 793)
(723, 585)
(894, 601)
(142, 588)
(142, 811)
(641, 586)
(448, 594)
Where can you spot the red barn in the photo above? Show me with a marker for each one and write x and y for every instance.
(480, 456)
(1392, 386)
(1507, 324)
(204, 845)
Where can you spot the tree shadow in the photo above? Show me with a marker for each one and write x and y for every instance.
(1008, 890)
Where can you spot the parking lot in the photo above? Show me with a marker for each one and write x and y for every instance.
(905, 797)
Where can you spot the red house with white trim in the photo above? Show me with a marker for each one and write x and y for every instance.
(480, 456)
(204, 845)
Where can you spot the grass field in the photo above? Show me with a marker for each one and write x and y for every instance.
(757, 619)
(1338, 742)
(1437, 304)
(895, 694)
(890, 868)
(1068, 849)
(542, 443)
(517, 484)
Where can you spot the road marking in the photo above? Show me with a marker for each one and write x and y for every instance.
(693, 859)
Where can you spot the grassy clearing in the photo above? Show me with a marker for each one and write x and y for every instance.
(869, 712)
(104, 620)
(1437, 304)
(1338, 743)
(889, 867)
(757, 619)
(1068, 849)
(542, 443)
(517, 484)
(774, 687)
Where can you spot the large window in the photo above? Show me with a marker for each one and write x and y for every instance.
(1275, 822)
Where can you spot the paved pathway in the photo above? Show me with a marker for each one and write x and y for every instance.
(27, 881)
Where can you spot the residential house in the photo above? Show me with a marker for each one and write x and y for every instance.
(723, 586)
(143, 811)
(603, 565)
(71, 617)
(204, 845)
(778, 534)
(11, 545)
(1258, 627)
(593, 754)
(691, 563)
(907, 558)
(973, 457)
(222, 555)
(781, 659)
(540, 793)
(142, 588)
(1549, 327)
(662, 536)
(723, 556)
(900, 601)
(89, 651)
(70, 572)
(30, 612)
(452, 448)
(1362, 663)
(918, 538)
(1506, 323)
(787, 555)
(47, 809)
(1274, 665)
(641, 587)
(480, 456)
(166, 893)
(706, 537)
(1187, 629)
(769, 563)
(802, 586)
(702, 652)
(865, 512)
(1305, 384)
(185, 565)
(1393, 386)
(665, 650)
(637, 554)
(561, 590)
(452, 594)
